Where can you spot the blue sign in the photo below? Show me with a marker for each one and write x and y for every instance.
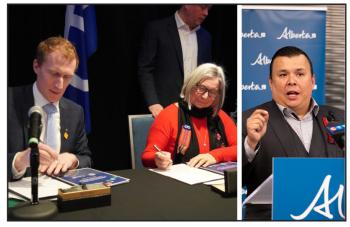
(264, 31)
(308, 189)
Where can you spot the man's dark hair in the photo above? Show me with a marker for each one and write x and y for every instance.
(289, 51)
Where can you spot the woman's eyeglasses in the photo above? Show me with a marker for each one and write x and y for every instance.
(201, 90)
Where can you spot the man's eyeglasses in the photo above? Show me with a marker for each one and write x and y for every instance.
(201, 90)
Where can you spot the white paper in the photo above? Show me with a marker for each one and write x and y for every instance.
(47, 187)
(220, 187)
(221, 181)
(14, 196)
(188, 175)
(262, 194)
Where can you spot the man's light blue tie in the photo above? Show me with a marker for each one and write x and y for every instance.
(52, 132)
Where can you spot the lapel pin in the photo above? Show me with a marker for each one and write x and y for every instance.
(66, 135)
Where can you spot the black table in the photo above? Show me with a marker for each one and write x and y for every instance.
(257, 212)
(151, 196)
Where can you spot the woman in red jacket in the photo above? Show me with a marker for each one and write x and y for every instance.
(194, 130)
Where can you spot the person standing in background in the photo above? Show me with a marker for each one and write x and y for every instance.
(170, 50)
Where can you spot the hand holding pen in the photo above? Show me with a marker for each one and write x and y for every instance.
(162, 159)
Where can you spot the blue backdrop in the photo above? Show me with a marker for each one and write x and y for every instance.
(266, 30)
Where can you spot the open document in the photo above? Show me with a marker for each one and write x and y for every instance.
(262, 194)
(47, 187)
(188, 175)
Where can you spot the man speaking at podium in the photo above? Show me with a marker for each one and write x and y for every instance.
(64, 143)
(290, 125)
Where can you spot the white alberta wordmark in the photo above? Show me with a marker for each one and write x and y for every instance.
(253, 87)
(290, 34)
(261, 60)
(254, 35)
(326, 202)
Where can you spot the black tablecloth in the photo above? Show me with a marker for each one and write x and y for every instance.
(151, 196)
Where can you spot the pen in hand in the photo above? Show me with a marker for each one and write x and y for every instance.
(162, 153)
(157, 148)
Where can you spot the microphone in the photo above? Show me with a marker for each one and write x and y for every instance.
(34, 114)
(34, 210)
(336, 130)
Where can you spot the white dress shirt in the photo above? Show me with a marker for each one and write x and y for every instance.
(39, 100)
(189, 45)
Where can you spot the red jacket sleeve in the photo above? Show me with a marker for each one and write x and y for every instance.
(162, 134)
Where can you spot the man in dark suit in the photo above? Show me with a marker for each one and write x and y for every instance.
(291, 125)
(55, 63)
(171, 49)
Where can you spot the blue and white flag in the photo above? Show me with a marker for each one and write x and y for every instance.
(80, 29)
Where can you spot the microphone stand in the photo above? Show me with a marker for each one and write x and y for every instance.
(34, 210)
(34, 164)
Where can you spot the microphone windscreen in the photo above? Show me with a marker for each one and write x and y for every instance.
(36, 109)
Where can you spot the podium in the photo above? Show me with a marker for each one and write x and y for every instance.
(308, 189)
(303, 189)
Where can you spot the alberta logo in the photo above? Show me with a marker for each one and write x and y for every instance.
(323, 209)
(290, 34)
(253, 35)
(253, 87)
(261, 60)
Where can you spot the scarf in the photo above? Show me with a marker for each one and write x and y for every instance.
(186, 145)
